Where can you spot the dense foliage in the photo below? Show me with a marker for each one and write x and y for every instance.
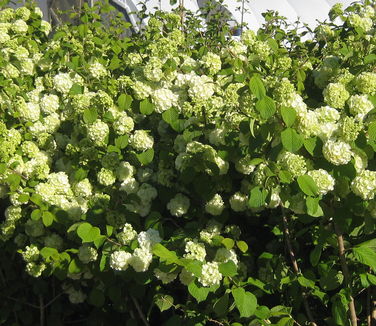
(183, 177)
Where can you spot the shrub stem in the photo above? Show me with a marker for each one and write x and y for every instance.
(346, 273)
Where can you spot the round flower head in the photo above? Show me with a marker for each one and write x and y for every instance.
(215, 206)
(293, 163)
(97, 70)
(127, 234)
(324, 181)
(98, 132)
(336, 95)
(106, 177)
(119, 260)
(124, 124)
(239, 202)
(141, 140)
(19, 26)
(212, 62)
(141, 259)
(49, 103)
(63, 83)
(364, 185)
(178, 205)
(337, 152)
(195, 250)
(366, 83)
(87, 254)
(243, 165)
(210, 274)
(163, 99)
(359, 106)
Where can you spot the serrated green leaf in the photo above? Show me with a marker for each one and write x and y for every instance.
(257, 86)
(242, 246)
(228, 243)
(164, 302)
(47, 218)
(124, 101)
(146, 107)
(288, 116)
(146, 157)
(220, 306)
(291, 140)
(257, 197)
(165, 255)
(245, 302)
(266, 107)
(366, 256)
(313, 207)
(90, 115)
(88, 233)
(372, 131)
(307, 185)
(198, 292)
(170, 116)
(228, 269)
(122, 141)
(36, 214)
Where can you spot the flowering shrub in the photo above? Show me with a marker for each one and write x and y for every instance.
(159, 179)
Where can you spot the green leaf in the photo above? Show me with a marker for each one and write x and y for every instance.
(288, 116)
(146, 157)
(245, 302)
(121, 142)
(146, 107)
(372, 131)
(90, 115)
(164, 302)
(331, 280)
(285, 176)
(257, 86)
(339, 310)
(365, 255)
(23, 198)
(170, 116)
(36, 214)
(76, 89)
(313, 146)
(370, 58)
(266, 107)
(14, 181)
(109, 230)
(257, 197)
(307, 185)
(314, 256)
(242, 246)
(165, 255)
(228, 269)
(303, 281)
(291, 140)
(313, 207)
(74, 266)
(47, 218)
(124, 101)
(195, 267)
(220, 306)
(88, 233)
(198, 292)
(47, 253)
(228, 243)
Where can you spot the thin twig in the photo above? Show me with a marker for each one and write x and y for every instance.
(140, 313)
(53, 300)
(346, 273)
(369, 317)
(41, 310)
(22, 302)
(296, 267)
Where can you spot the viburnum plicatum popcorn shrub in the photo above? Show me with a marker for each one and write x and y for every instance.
(161, 171)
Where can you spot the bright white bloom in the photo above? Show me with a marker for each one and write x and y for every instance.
(141, 90)
(239, 202)
(28, 111)
(31, 253)
(49, 103)
(243, 165)
(364, 185)
(195, 250)
(215, 206)
(141, 259)
(147, 193)
(129, 185)
(83, 188)
(210, 274)
(201, 88)
(98, 132)
(366, 83)
(34, 269)
(125, 170)
(164, 99)
(337, 152)
(359, 106)
(141, 140)
(336, 95)
(327, 114)
(178, 205)
(324, 181)
(147, 239)
(293, 163)
(19, 26)
(63, 83)
(120, 260)
(223, 255)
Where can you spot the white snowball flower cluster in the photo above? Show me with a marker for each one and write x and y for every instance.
(293, 163)
(119, 260)
(31, 253)
(163, 99)
(141, 90)
(215, 206)
(49, 103)
(147, 239)
(98, 132)
(324, 181)
(359, 106)
(201, 88)
(141, 259)
(106, 177)
(141, 140)
(19, 26)
(63, 82)
(123, 124)
(337, 152)
(210, 274)
(127, 234)
(217, 136)
(195, 250)
(364, 185)
(239, 202)
(212, 62)
(83, 188)
(97, 70)
(28, 111)
(243, 165)
(178, 205)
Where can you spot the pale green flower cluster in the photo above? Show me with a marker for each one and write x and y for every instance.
(212, 62)
(195, 250)
(98, 132)
(359, 106)
(210, 274)
(62, 82)
(337, 152)
(106, 177)
(141, 141)
(163, 99)
(239, 202)
(97, 70)
(365, 83)
(179, 205)
(323, 180)
(127, 235)
(294, 163)
(215, 206)
(364, 185)
(336, 95)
